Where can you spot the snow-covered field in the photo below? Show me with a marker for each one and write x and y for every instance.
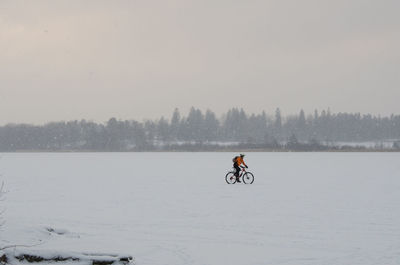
(175, 208)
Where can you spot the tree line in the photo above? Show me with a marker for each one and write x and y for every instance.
(200, 129)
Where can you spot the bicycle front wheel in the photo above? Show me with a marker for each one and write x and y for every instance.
(230, 178)
(248, 178)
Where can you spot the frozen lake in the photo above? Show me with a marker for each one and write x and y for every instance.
(176, 208)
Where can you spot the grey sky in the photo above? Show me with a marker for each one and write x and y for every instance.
(63, 60)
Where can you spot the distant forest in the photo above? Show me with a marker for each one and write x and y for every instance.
(204, 131)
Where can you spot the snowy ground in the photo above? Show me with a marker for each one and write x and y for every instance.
(175, 208)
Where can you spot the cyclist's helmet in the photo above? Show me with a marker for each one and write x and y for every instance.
(242, 155)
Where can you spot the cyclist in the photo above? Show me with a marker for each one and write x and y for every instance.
(237, 161)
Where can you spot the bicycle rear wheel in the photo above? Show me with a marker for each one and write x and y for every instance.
(248, 178)
(230, 178)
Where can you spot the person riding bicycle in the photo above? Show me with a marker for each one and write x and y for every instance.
(237, 161)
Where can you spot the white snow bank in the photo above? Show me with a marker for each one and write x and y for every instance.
(17, 255)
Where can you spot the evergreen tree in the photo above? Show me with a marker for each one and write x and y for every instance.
(301, 125)
(278, 124)
(211, 126)
(175, 124)
(195, 122)
(163, 132)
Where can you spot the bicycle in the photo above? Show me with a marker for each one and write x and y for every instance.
(247, 177)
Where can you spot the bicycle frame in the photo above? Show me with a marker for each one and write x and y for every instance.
(242, 171)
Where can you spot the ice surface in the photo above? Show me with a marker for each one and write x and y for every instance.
(175, 208)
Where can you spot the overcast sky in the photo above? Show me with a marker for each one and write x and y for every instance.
(64, 60)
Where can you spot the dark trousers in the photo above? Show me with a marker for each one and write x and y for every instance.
(236, 166)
